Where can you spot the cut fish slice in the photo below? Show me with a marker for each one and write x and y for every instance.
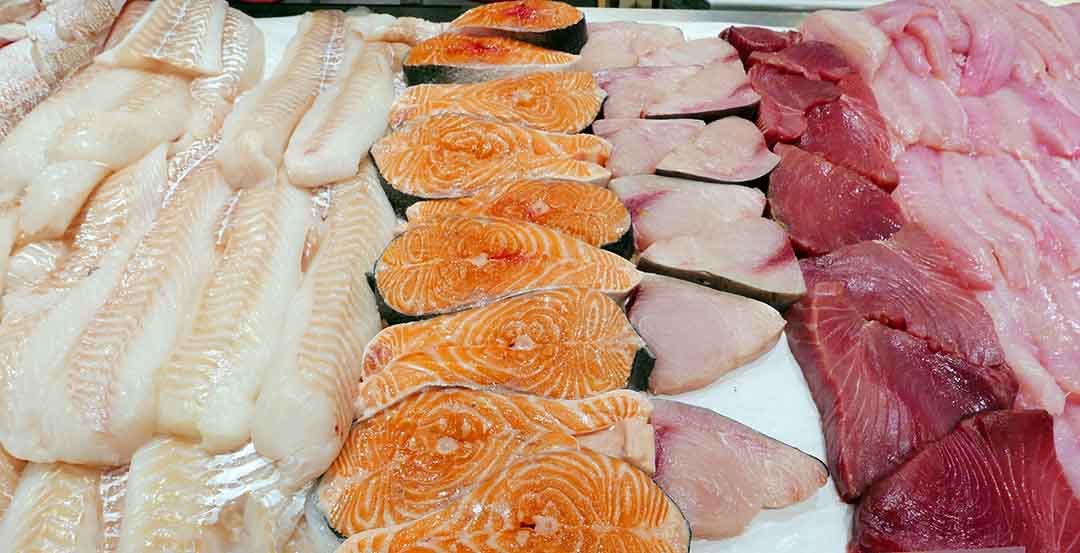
(450, 156)
(568, 343)
(731, 150)
(620, 43)
(587, 212)
(491, 259)
(211, 398)
(565, 501)
(316, 363)
(721, 473)
(556, 102)
(10, 471)
(663, 208)
(545, 23)
(434, 447)
(18, 11)
(698, 334)
(347, 117)
(258, 129)
(747, 40)
(182, 36)
(33, 262)
(126, 21)
(54, 510)
(81, 20)
(692, 91)
(11, 32)
(459, 58)
(703, 51)
(638, 145)
(242, 64)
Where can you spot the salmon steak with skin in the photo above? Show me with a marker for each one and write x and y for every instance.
(590, 213)
(566, 102)
(454, 263)
(461, 58)
(545, 23)
(424, 453)
(450, 156)
(578, 501)
(568, 343)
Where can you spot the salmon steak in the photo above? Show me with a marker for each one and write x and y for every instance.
(578, 501)
(567, 343)
(427, 451)
(565, 102)
(461, 58)
(584, 211)
(455, 263)
(451, 156)
(548, 24)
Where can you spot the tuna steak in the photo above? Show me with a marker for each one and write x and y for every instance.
(692, 91)
(638, 145)
(747, 40)
(731, 150)
(459, 58)
(851, 133)
(545, 23)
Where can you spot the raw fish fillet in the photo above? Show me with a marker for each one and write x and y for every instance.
(129, 16)
(258, 129)
(22, 86)
(692, 91)
(721, 473)
(10, 472)
(638, 145)
(620, 44)
(349, 115)
(460, 58)
(82, 20)
(54, 510)
(18, 11)
(406, 31)
(565, 501)
(113, 490)
(703, 51)
(11, 32)
(424, 453)
(698, 334)
(55, 196)
(863, 45)
(747, 40)
(994, 481)
(242, 64)
(587, 212)
(812, 59)
(662, 208)
(567, 343)
(180, 36)
(556, 102)
(549, 24)
(852, 134)
(731, 150)
(785, 99)
(33, 262)
(490, 259)
(450, 156)
(316, 364)
(207, 390)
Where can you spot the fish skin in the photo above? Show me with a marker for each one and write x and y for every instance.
(54, 510)
(243, 61)
(179, 36)
(256, 133)
(428, 450)
(565, 501)
(554, 25)
(459, 58)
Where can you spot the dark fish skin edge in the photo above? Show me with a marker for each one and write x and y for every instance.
(570, 39)
(641, 370)
(747, 111)
(780, 300)
(624, 246)
(399, 200)
(453, 74)
(761, 182)
(390, 315)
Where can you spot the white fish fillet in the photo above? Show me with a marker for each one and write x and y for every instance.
(126, 21)
(242, 61)
(53, 199)
(22, 86)
(113, 491)
(32, 263)
(83, 19)
(259, 127)
(18, 11)
(11, 32)
(208, 388)
(346, 119)
(55, 510)
(180, 36)
(329, 322)
(10, 471)
(271, 516)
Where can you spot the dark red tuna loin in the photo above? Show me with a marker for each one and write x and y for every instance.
(824, 206)
(721, 473)
(995, 481)
(785, 99)
(883, 394)
(812, 59)
(852, 134)
(748, 40)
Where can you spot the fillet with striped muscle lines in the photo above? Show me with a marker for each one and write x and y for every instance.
(207, 390)
(176, 36)
(555, 102)
(258, 129)
(331, 317)
(564, 501)
(424, 453)
(54, 510)
(346, 119)
(10, 471)
(450, 156)
(590, 213)
(32, 263)
(455, 263)
(242, 63)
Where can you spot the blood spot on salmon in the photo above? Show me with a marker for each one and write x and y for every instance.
(521, 11)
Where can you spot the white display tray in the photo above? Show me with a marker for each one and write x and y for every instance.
(769, 395)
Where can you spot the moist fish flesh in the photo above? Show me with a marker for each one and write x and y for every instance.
(31, 263)
(242, 63)
(721, 473)
(747, 40)
(257, 131)
(698, 334)
(638, 145)
(54, 510)
(567, 343)
(182, 36)
(316, 363)
(129, 16)
(663, 208)
(692, 91)
(585, 211)
(548, 24)
(565, 102)
(54, 198)
(785, 99)
(407, 31)
(812, 59)
(994, 481)
(621, 43)
(851, 133)
(460, 58)
(846, 208)
(450, 156)
(10, 471)
(18, 11)
(702, 51)
(346, 119)
(491, 259)
(11, 32)
(731, 150)
(566, 501)
(424, 453)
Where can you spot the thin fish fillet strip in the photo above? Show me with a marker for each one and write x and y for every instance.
(243, 58)
(54, 510)
(182, 36)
